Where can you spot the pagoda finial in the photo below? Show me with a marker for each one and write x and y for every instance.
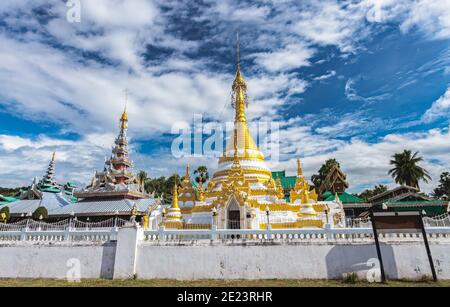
(188, 171)
(299, 168)
(175, 196)
(239, 87)
(238, 52)
(124, 118)
(53, 156)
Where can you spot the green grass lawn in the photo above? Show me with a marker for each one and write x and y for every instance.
(211, 283)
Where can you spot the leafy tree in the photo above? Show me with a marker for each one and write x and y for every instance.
(443, 190)
(317, 179)
(202, 174)
(41, 211)
(11, 191)
(142, 177)
(162, 186)
(406, 170)
(369, 193)
(4, 214)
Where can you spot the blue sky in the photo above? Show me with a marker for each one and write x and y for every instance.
(340, 82)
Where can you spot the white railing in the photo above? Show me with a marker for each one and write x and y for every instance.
(73, 224)
(442, 220)
(66, 230)
(316, 235)
(92, 235)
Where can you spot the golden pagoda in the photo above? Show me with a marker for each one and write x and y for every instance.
(242, 192)
(173, 218)
(117, 179)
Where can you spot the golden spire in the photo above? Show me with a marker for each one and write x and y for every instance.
(124, 118)
(53, 156)
(188, 171)
(175, 197)
(336, 197)
(299, 168)
(239, 89)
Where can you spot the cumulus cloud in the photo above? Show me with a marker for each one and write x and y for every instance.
(75, 74)
(440, 108)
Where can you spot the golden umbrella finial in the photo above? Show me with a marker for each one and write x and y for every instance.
(124, 118)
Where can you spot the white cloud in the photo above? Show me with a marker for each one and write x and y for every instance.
(290, 57)
(326, 76)
(440, 108)
(429, 16)
(352, 94)
(367, 164)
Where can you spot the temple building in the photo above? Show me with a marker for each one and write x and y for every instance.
(406, 198)
(115, 191)
(43, 193)
(242, 194)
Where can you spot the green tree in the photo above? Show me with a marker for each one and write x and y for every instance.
(4, 214)
(443, 190)
(41, 211)
(317, 179)
(406, 170)
(202, 174)
(163, 186)
(369, 193)
(142, 177)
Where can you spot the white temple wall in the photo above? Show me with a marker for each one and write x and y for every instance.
(57, 260)
(217, 260)
(287, 261)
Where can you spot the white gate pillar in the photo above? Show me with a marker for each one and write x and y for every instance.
(126, 251)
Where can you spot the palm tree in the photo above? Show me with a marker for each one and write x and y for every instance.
(142, 178)
(406, 170)
(202, 174)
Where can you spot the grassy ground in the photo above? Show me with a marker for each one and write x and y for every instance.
(211, 283)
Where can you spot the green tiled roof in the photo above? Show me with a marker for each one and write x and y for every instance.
(430, 210)
(51, 189)
(412, 202)
(345, 198)
(279, 174)
(8, 199)
(286, 182)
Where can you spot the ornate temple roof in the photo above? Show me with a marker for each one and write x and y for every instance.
(50, 201)
(335, 181)
(344, 197)
(117, 179)
(106, 207)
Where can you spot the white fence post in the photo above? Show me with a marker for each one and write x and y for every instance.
(23, 235)
(269, 232)
(126, 251)
(214, 232)
(161, 233)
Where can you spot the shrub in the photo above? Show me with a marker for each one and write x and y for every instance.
(41, 211)
(351, 278)
(4, 214)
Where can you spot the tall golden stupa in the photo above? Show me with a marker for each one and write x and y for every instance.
(242, 193)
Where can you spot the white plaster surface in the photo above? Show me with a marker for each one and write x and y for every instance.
(125, 260)
(25, 260)
(296, 261)
(218, 260)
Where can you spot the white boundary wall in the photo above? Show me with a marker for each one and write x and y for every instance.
(288, 261)
(132, 256)
(57, 260)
